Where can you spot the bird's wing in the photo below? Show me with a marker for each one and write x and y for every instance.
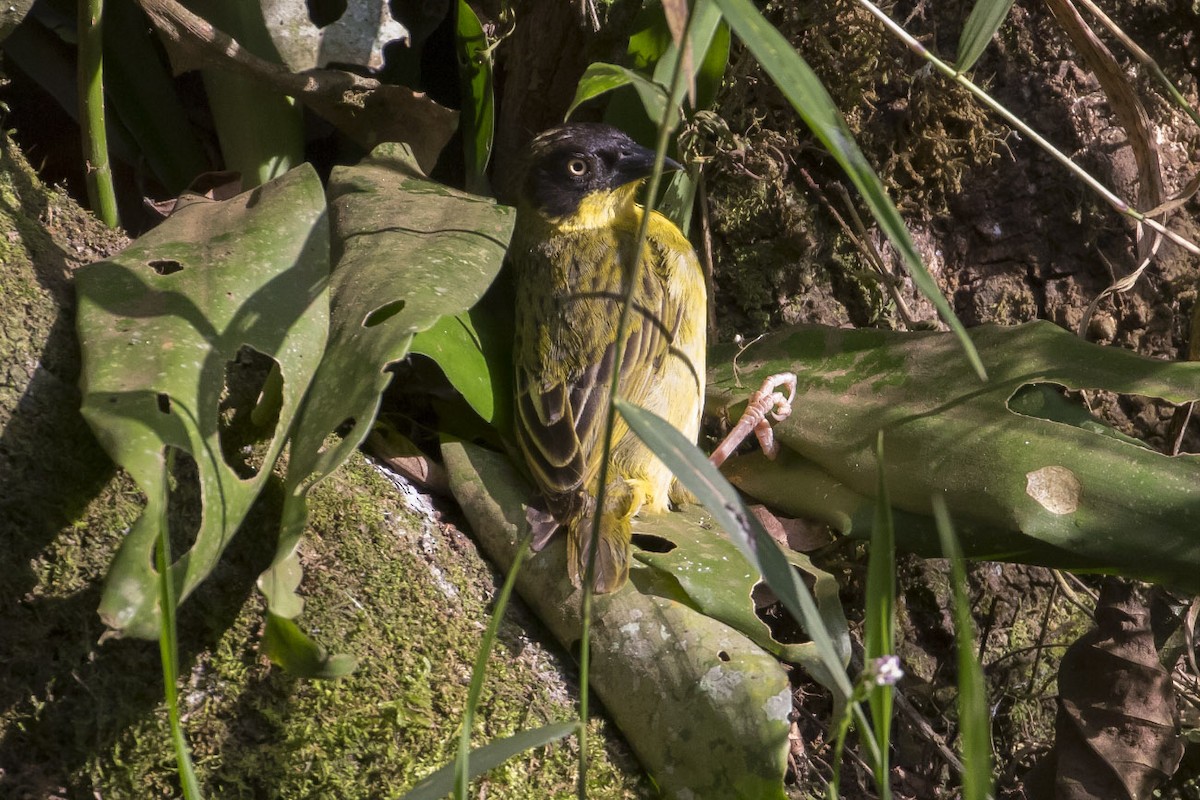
(560, 416)
(561, 409)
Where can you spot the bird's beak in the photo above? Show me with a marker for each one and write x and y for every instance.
(638, 162)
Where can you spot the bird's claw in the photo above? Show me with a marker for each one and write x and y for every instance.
(766, 402)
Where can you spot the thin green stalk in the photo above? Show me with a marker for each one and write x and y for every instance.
(839, 746)
(168, 642)
(98, 170)
(880, 636)
(973, 721)
(628, 278)
(854, 711)
(478, 673)
(1116, 202)
(1143, 58)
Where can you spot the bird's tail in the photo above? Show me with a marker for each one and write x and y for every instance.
(623, 498)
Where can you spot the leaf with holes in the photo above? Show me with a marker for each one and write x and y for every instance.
(198, 342)
(657, 664)
(409, 253)
(717, 581)
(1022, 480)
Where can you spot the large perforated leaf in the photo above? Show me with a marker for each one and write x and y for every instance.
(165, 326)
(1020, 486)
(408, 253)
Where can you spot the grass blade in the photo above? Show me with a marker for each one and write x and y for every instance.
(168, 642)
(972, 692)
(491, 755)
(803, 89)
(880, 623)
(462, 775)
(985, 19)
(690, 466)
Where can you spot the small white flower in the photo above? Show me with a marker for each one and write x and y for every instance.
(886, 671)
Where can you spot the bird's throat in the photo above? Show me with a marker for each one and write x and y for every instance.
(604, 209)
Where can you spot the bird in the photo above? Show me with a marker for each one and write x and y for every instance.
(576, 228)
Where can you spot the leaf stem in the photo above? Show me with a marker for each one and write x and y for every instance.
(98, 169)
(462, 765)
(168, 640)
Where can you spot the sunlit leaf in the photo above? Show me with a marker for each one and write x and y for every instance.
(161, 324)
(1020, 487)
(410, 252)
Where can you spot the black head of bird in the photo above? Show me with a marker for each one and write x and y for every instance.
(569, 165)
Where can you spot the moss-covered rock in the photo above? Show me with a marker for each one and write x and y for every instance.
(386, 582)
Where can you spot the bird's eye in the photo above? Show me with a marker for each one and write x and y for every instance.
(577, 167)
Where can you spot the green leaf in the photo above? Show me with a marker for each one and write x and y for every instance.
(707, 571)
(491, 755)
(657, 665)
(650, 38)
(1021, 488)
(160, 324)
(453, 343)
(678, 200)
(411, 252)
(651, 52)
(985, 19)
(142, 92)
(286, 645)
(600, 78)
(711, 70)
(478, 116)
(260, 129)
(1046, 401)
(803, 89)
(704, 28)
(974, 722)
(700, 477)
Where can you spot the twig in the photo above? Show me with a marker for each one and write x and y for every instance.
(1109, 197)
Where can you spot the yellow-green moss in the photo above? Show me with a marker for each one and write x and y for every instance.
(389, 586)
